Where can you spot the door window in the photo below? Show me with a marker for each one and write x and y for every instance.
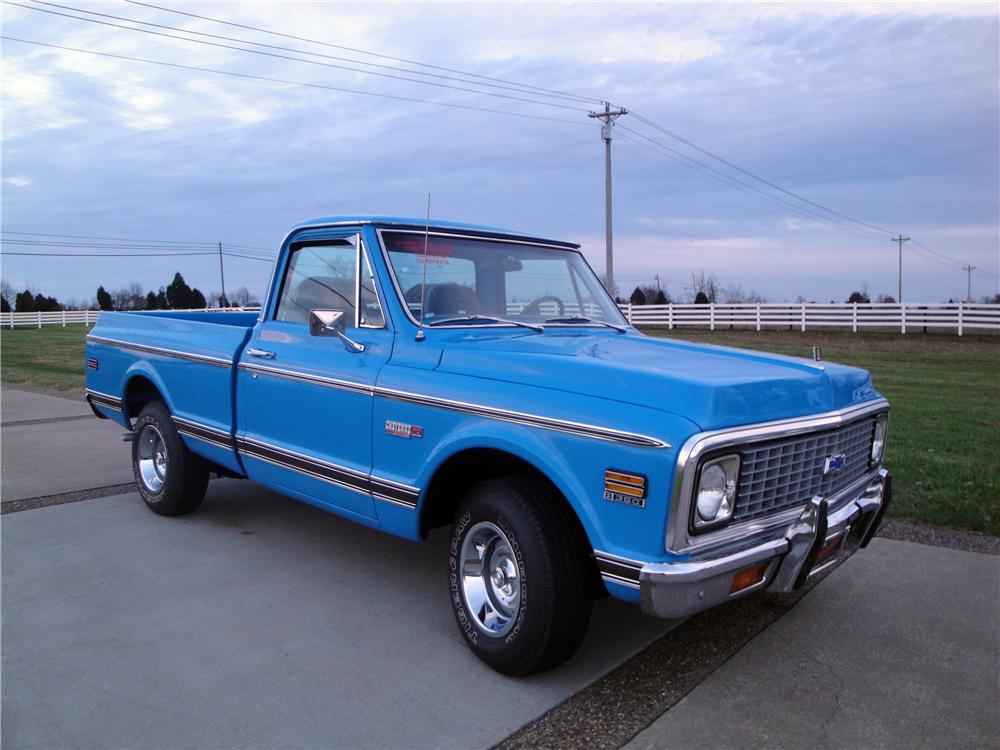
(322, 276)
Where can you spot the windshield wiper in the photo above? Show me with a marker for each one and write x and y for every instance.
(484, 319)
(577, 320)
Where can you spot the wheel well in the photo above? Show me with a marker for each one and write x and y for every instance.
(139, 392)
(459, 473)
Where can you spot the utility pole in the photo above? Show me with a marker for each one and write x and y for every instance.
(608, 116)
(224, 302)
(968, 294)
(900, 240)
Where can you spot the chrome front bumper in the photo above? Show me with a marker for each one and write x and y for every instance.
(677, 590)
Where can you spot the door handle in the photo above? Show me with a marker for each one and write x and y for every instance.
(261, 353)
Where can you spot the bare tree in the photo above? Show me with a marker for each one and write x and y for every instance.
(734, 295)
(128, 298)
(705, 283)
(243, 297)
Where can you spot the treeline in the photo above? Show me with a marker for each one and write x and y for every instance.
(177, 295)
(704, 289)
(28, 301)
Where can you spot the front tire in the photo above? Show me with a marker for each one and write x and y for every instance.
(170, 478)
(519, 577)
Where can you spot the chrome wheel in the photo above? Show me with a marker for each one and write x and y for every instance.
(151, 459)
(491, 582)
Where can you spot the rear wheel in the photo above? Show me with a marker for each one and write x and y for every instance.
(519, 576)
(171, 479)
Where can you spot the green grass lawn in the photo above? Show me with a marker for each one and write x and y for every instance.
(46, 358)
(944, 432)
(944, 437)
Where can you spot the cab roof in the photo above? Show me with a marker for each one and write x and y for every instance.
(435, 224)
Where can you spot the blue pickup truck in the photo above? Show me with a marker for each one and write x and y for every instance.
(412, 375)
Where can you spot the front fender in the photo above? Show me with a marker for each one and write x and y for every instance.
(530, 446)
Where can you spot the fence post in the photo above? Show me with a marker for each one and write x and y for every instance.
(86, 317)
(670, 317)
(854, 317)
(711, 316)
(39, 318)
(758, 316)
(64, 318)
(902, 318)
(628, 313)
(960, 317)
(803, 316)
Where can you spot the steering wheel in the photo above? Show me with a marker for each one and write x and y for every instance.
(535, 306)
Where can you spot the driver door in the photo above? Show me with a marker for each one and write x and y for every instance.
(306, 400)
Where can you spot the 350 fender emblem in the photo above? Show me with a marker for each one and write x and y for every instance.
(403, 430)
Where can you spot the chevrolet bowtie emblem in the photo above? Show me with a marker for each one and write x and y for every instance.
(834, 463)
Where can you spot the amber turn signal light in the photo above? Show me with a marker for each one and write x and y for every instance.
(749, 577)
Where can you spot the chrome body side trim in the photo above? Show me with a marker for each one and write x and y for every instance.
(531, 420)
(203, 432)
(385, 490)
(491, 412)
(96, 398)
(681, 589)
(678, 539)
(146, 349)
(322, 380)
(620, 570)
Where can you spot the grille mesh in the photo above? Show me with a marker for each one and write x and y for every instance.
(782, 474)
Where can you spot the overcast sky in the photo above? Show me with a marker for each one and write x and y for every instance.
(886, 113)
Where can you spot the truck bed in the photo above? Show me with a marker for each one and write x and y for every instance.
(187, 356)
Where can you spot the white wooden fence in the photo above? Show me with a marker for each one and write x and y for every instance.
(89, 317)
(960, 316)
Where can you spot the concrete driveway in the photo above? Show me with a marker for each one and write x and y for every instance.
(262, 622)
(255, 622)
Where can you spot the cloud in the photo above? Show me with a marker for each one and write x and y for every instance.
(887, 112)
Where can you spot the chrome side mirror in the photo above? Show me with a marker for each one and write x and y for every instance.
(331, 323)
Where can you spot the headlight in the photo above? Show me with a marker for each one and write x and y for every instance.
(878, 443)
(716, 494)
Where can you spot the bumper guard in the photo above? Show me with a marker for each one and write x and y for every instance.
(678, 590)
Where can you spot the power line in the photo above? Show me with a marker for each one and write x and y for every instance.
(94, 245)
(287, 82)
(715, 174)
(102, 255)
(115, 239)
(293, 59)
(361, 51)
(515, 87)
(248, 257)
(748, 173)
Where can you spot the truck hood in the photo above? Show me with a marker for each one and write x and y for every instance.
(712, 386)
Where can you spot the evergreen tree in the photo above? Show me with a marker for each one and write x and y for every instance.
(4, 304)
(197, 300)
(701, 299)
(637, 298)
(178, 294)
(24, 301)
(104, 299)
(152, 303)
(661, 298)
(46, 304)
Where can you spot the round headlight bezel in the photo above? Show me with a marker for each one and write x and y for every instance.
(709, 495)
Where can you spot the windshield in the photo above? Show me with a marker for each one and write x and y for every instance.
(469, 277)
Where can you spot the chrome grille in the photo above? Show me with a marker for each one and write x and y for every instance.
(782, 474)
